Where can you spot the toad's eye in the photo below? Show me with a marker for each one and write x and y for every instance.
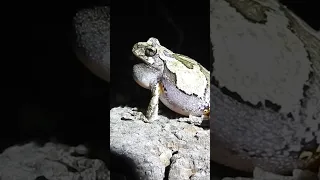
(206, 112)
(150, 52)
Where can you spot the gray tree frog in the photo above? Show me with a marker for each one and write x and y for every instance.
(181, 83)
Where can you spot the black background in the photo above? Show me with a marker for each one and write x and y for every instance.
(176, 27)
(46, 92)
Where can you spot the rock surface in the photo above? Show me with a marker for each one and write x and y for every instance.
(164, 148)
(259, 174)
(51, 161)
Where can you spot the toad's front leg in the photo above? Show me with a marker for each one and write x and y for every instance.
(152, 111)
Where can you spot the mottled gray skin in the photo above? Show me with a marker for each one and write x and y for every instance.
(249, 36)
(176, 100)
(169, 77)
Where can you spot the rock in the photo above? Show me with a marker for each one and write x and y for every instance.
(163, 148)
(259, 174)
(51, 161)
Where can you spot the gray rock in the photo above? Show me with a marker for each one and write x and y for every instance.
(166, 147)
(259, 174)
(52, 161)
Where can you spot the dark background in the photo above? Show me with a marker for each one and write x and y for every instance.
(306, 10)
(46, 92)
(182, 29)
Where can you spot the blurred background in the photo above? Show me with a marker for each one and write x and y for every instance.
(47, 93)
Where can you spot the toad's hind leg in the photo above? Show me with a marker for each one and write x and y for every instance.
(153, 108)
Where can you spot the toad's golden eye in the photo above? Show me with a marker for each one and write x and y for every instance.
(150, 52)
(206, 112)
